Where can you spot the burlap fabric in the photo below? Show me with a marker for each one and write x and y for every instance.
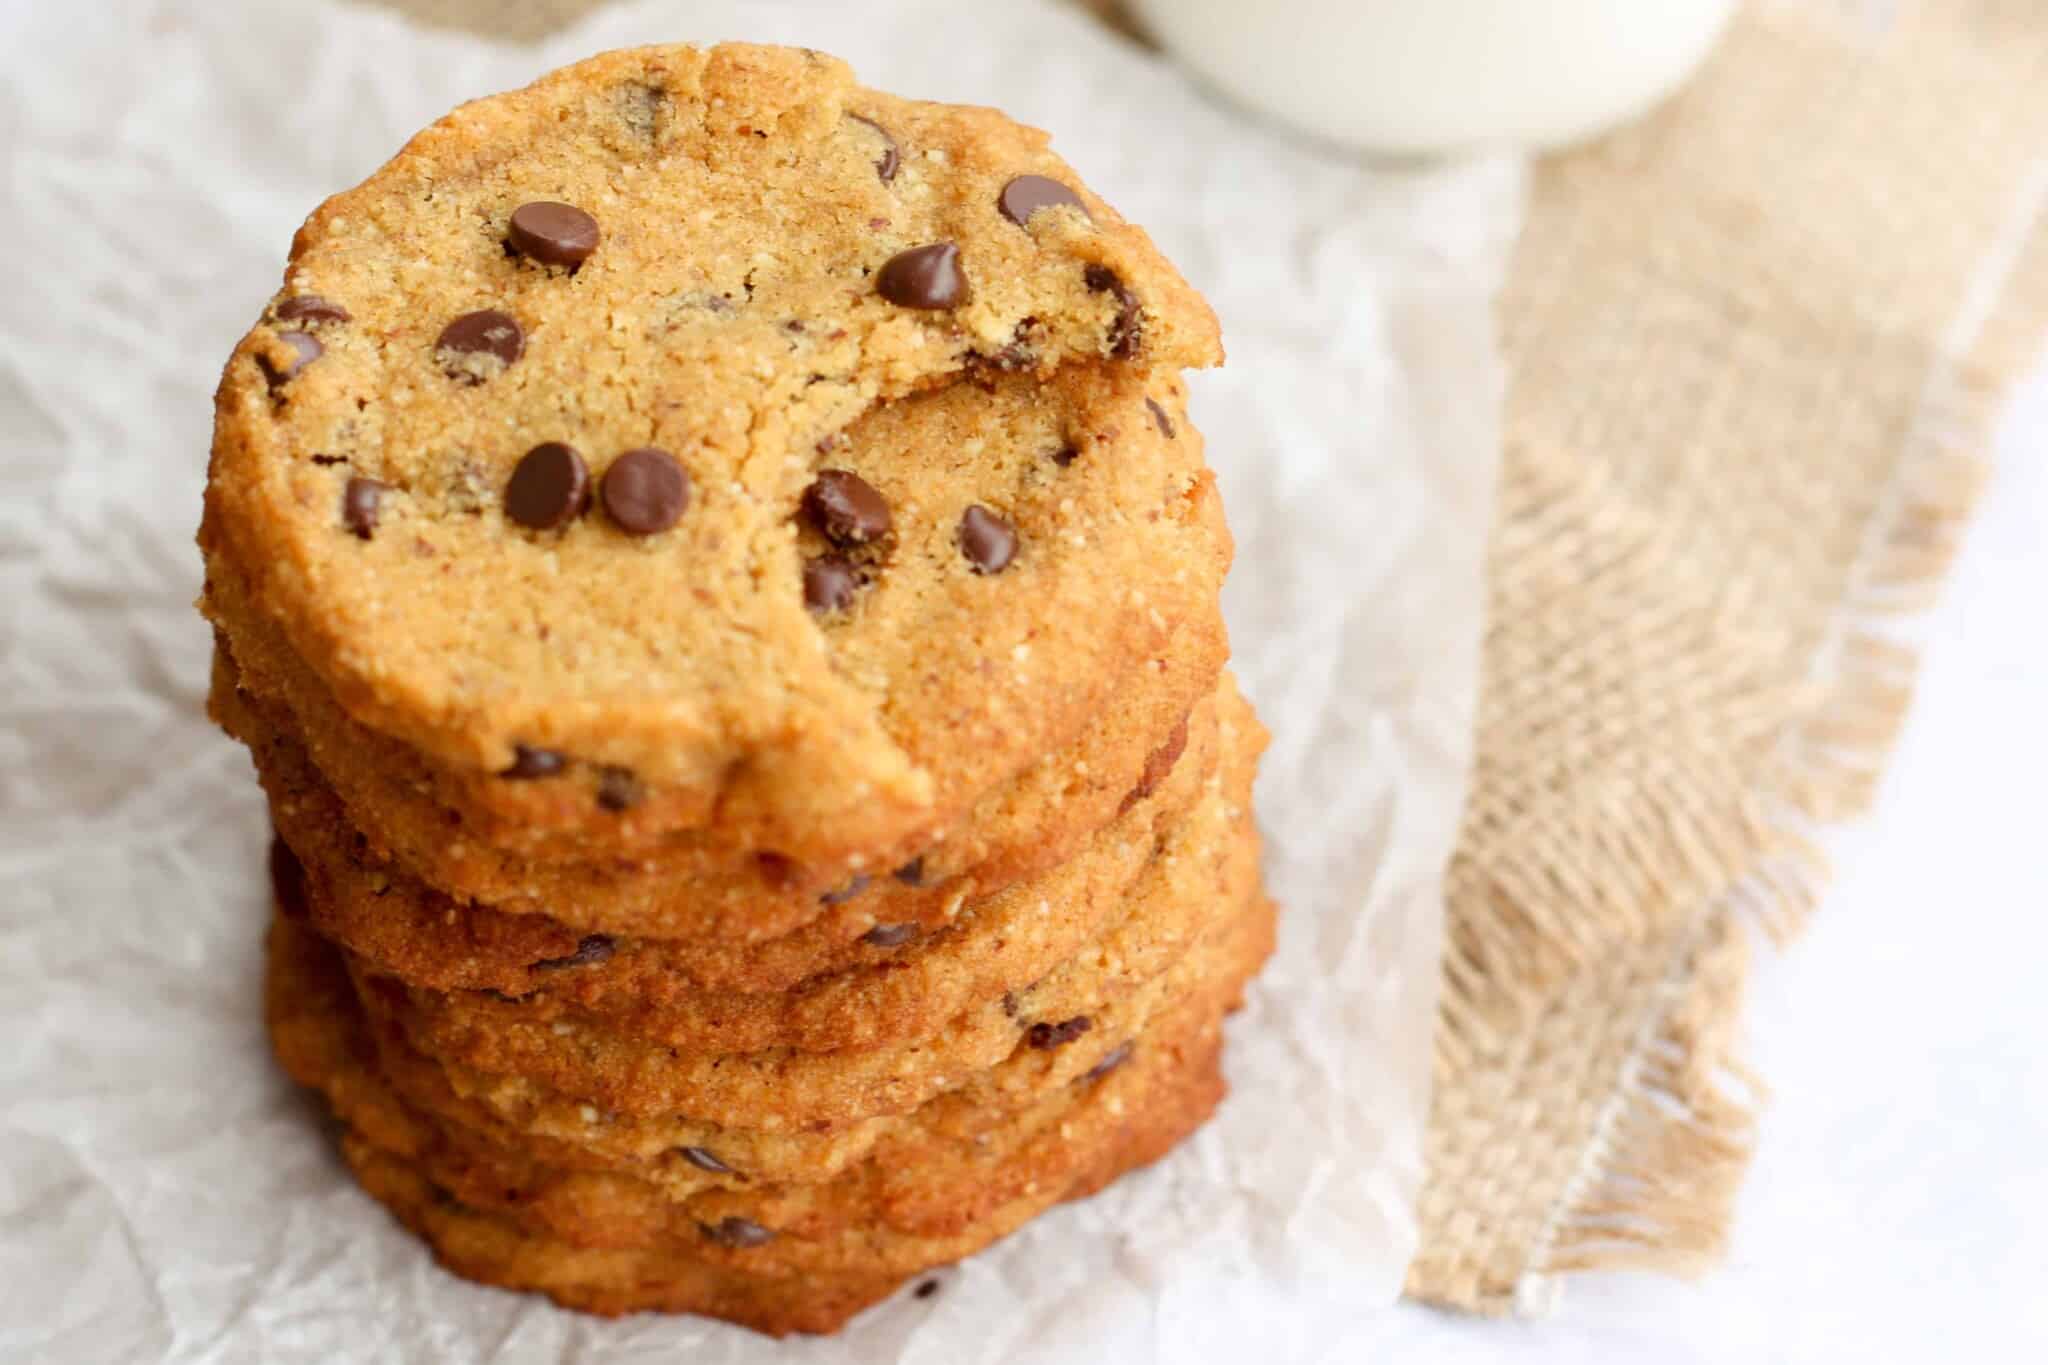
(1755, 343)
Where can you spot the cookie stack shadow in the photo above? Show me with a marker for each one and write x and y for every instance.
(646, 1040)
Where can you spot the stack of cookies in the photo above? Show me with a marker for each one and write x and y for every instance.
(718, 582)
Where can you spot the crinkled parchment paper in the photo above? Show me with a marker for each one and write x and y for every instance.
(165, 1195)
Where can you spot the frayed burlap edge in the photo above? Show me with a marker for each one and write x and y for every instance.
(1834, 249)
(1656, 1184)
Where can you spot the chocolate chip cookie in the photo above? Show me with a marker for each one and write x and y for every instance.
(715, 572)
(529, 461)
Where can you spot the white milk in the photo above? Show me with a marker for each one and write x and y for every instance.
(1418, 76)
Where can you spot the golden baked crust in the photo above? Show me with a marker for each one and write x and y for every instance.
(825, 981)
(744, 930)
(607, 1243)
(611, 1283)
(684, 1157)
(925, 1177)
(961, 1016)
(686, 655)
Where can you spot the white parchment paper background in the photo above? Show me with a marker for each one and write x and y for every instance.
(164, 1195)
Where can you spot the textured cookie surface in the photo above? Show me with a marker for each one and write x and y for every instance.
(925, 1178)
(958, 1013)
(707, 274)
(684, 1158)
(496, 1251)
(627, 1249)
(737, 916)
(784, 988)
(1013, 674)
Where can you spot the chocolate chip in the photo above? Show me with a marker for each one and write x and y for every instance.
(846, 508)
(287, 879)
(549, 488)
(1123, 332)
(927, 1289)
(923, 277)
(1046, 1037)
(912, 872)
(617, 789)
(1158, 764)
(1066, 455)
(988, 541)
(846, 892)
(469, 342)
(1111, 1060)
(704, 1161)
(1027, 194)
(830, 583)
(527, 761)
(891, 159)
(737, 1233)
(360, 501)
(593, 949)
(889, 935)
(310, 308)
(305, 350)
(645, 491)
(553, 234)
(1159, 416)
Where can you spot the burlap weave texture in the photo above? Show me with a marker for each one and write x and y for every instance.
(1755, 343)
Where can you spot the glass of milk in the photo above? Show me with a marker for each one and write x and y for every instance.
(1409, 77)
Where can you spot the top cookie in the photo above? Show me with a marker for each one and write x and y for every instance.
(532, 460)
